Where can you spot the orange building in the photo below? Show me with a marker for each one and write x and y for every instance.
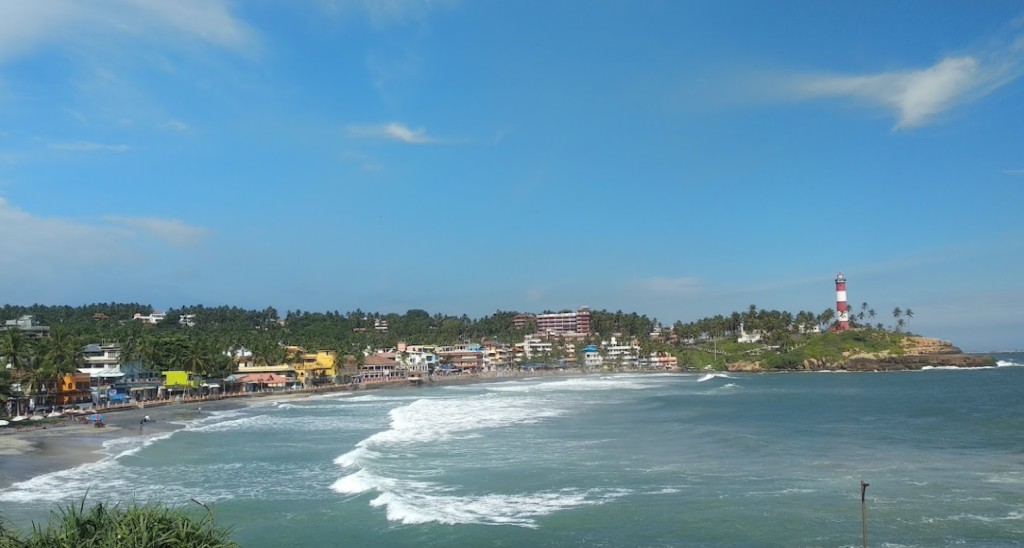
(73, 388)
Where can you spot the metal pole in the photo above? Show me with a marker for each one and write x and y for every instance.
(863, 514)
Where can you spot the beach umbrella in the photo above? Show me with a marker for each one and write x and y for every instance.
(95, 417)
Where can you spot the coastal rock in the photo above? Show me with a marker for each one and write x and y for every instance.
(914, 362)
(744, 366)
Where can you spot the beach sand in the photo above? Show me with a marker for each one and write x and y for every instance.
(30, 452)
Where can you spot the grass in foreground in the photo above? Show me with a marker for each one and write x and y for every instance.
(135, 526)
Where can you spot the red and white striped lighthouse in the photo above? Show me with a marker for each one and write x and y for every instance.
(842, 314)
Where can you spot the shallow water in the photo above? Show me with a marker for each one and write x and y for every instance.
(618, 460)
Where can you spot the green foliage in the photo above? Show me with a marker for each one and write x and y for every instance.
(135, 526)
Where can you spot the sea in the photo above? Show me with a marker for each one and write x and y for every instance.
(690, 459)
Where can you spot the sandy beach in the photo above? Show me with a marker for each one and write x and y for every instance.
(37, 450)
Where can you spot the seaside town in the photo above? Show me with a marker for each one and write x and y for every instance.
(107, 377)
(49, 373)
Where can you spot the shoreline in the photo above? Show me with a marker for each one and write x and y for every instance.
(47, 448)
(36, 450)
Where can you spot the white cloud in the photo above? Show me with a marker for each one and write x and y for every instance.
(171, 231)
(26, 26)
(62, 260)
(916, 96)
(385, 12)
(87, 146)
(1019, 171)
(393, 131)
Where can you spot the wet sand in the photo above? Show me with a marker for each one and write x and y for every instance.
(35, 450)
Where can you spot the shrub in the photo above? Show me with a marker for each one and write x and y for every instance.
(135, 526)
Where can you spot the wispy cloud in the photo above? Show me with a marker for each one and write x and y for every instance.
(393, 132)
(174, 125)
(88, 146)
(60, 259)
(915, 96)
(365, 162)
(385, 12)
(27, 26)
(172, 231)
(1019, 171)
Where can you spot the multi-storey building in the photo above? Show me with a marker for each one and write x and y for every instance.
(559, 323)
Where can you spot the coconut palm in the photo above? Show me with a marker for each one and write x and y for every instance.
(15, 347)
(826, 317)
(909, 314)
(896, 313)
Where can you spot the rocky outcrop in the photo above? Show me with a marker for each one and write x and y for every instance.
(914, 361)
(928, 346)
(744, 366)
(918, 353)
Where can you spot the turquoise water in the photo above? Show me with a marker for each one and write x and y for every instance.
(617, 460)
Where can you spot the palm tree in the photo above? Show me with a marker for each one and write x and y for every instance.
(826, 317)
(194, 359)
(896, 313)
(15, 347)
(909, 314)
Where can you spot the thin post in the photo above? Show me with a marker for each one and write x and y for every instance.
(863, 514)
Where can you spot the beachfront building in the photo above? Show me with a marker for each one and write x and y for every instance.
(73, 388)
(592, 356)
(187, 320)
(380, 368)
(29, 325)
(416, 358)
(621, 355)
(497, 356)
(662, 360)
(316, 368)
(178, 382)
(468, 360)
(533, 346)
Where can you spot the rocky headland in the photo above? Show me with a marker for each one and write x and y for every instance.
(915, 353)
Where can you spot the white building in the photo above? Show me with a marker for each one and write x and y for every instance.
(155, 317)
(626, 355)
(101, 360)
(752, 337)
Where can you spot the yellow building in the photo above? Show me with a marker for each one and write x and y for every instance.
(316, 367)
(179, 380)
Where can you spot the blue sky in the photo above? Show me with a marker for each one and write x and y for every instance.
(678, 159)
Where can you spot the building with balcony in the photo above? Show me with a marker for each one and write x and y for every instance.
(562, 323)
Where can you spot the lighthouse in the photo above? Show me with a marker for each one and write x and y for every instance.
(842, 314)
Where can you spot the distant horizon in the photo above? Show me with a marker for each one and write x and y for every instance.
(673, 158)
